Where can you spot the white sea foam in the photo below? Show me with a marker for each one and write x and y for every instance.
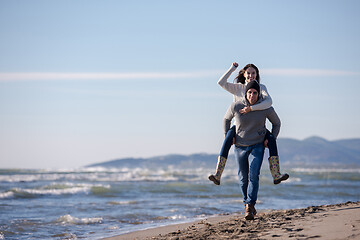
(68, 219)
(7, 194)
(327, 170)
(178, 217)
(109, 175)
(292, 180)
(53, 189)
(113, 227)
(72, 190)
(165, 174)
(122, 202)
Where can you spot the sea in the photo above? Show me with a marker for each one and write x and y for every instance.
(94, 203)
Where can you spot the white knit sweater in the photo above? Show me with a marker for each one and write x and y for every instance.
(238, 90)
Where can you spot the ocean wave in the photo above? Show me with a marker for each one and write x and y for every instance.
(122, 202)
(23, 175)
(292, 180)
(29, 177)
(68, 219)
(177, 217)
(7, 194)
(106, 175)
(31, 192)
(65, 236)
(54, 189)
(166, 174)
(326, 170)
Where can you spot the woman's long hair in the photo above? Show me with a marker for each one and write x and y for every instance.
(241, 79)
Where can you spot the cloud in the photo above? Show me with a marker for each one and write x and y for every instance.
(296, 72)
(46, 76)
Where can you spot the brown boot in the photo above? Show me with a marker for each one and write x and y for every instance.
(250, 211)
(219, 170)
(275, 170)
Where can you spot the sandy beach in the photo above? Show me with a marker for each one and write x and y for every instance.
(340, 221)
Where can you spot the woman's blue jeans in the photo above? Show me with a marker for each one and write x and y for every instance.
(228, 141)
(249, 161)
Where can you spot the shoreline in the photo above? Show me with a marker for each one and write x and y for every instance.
(337, 221)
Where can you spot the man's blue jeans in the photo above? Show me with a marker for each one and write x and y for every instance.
(249, 161)
(228, 142)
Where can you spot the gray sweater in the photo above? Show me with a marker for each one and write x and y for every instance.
(250, 127)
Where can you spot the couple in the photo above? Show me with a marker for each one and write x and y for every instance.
(250, 109)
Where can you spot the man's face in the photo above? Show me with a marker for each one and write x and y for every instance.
(252, 96)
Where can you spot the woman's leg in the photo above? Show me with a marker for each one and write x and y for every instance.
(224, 152)
(228, 141)
(273, 151)
(274, 163)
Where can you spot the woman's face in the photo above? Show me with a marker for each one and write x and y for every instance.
(252, 96)
(250, 74)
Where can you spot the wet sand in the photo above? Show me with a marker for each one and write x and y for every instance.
(340, 221)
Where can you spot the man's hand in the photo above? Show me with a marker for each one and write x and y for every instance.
(266, 143)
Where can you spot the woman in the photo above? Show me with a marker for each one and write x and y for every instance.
(249, 142)
(249, 73)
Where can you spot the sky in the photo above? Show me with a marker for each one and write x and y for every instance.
(84, 82)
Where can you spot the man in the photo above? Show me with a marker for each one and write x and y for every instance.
(249, 142)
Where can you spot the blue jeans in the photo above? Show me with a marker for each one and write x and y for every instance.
(249, 161)
(271, 144)
(228, 141)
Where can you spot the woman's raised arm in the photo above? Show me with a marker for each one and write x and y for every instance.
(232, 88)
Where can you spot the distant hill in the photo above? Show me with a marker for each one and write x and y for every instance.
(319, 151)
(177, 160)
(313, 151)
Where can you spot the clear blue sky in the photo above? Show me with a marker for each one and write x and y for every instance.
(90, 81)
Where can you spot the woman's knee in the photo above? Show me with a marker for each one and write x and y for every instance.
(270, 137)
(231, 132)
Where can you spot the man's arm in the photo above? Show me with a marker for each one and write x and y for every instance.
(275, 121)
(229, 115)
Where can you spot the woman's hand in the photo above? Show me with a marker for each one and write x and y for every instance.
(266, 143)
(245, 110)
(235, 64)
